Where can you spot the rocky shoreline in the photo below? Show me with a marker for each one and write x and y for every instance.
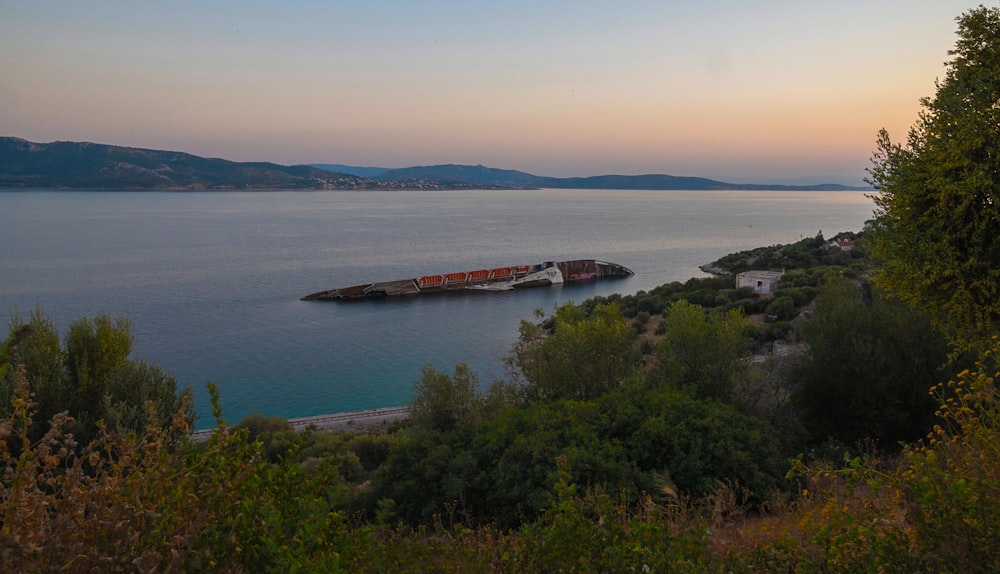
(711, 269)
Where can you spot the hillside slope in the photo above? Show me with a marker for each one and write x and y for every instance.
(89, 165)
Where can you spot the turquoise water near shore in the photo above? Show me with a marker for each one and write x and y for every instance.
(211, 280)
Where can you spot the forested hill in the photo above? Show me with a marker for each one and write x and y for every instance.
(661, 181)
(482, 175)
(83, 165)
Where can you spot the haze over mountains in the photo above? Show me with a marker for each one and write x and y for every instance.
(84, 165)
(487, 176)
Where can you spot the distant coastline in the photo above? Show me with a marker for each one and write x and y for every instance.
(86, 166)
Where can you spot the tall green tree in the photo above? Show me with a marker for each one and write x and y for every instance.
(441, 401)
(39, 351)
(937, 225)
(95, 348)
(90, 375)
(581, 357)
(702, 352)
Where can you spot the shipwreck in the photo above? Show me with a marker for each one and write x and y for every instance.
(494, 279)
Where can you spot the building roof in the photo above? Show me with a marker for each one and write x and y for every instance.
(761, 274)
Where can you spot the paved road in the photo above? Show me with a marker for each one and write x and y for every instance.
(356, 421)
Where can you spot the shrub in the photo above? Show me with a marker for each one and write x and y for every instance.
(781, 309)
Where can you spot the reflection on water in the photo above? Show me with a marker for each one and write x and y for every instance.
(212, 279)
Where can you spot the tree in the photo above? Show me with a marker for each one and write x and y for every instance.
(90, 376)
(95, 348)
(701, 443)
(38, 350)
(138, 392)
(277, 434)
(702, 352)
(441, 402)
(937, 225)
(582, 357)
(868, 368)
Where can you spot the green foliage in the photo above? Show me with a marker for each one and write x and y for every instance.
(937, 230)
(41, 356)
(936, 508)
(702, 443)
(952, 480)
(800, 295)
(576, 486)
(427, 474)
(371, 451)
(433, 469)
(702, 352)
(138, 503)
(501, 470)
(519, 452)
(133, 388)
(261, 426)
(781, 309)
(582, 357)
(91, 376)
(94, 349)
(440, 402)
(642, 317)
(766, 392)
(594, 533)
(275, 434)
(868, 368)
(805, 253)
(18, 335)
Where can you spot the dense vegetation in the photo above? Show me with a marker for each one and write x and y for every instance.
(939, 206)
(90, 375)
(695, 427)
(609, 447)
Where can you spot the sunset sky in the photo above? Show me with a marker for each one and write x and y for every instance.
(774, 91)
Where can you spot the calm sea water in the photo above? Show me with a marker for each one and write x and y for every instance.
(212, 280)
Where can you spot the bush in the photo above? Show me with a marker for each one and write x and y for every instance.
(145, 503)
(868, 368)
(781, 309)
(90, 374)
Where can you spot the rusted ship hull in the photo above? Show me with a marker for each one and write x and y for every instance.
(495, 279)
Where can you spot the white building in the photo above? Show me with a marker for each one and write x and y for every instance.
(842, 244)
(759, 281)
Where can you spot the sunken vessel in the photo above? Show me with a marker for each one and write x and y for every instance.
(493, 279)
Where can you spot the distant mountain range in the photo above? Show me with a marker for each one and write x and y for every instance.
(481, 175)
(372, 172)
(84, 165)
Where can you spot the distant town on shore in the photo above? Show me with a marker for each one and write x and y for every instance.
(85, 165)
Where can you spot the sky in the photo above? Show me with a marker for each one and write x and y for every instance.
(765, 91)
